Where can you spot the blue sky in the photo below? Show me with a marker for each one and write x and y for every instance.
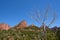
(14, 11)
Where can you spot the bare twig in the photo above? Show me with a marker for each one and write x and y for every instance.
(54, 17)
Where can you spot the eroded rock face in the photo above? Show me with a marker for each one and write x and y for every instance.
(22, 24)
(4, 27)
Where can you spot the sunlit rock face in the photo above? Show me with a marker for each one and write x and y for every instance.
(4, 27)
(22, 24)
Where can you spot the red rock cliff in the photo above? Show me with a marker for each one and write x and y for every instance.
(22, 24)
(4, 27)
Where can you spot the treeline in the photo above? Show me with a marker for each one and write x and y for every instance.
(30, 33)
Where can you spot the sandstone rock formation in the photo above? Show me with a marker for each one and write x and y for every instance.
(22, 24)
(4, 26)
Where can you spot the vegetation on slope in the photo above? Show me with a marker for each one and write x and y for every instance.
(29, 33)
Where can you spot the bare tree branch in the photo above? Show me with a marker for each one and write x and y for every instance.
(32, 17)
(37, 18)
(54, 17)
(45, 15)
(38, 15)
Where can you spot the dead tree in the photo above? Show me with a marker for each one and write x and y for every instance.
(38, 18)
